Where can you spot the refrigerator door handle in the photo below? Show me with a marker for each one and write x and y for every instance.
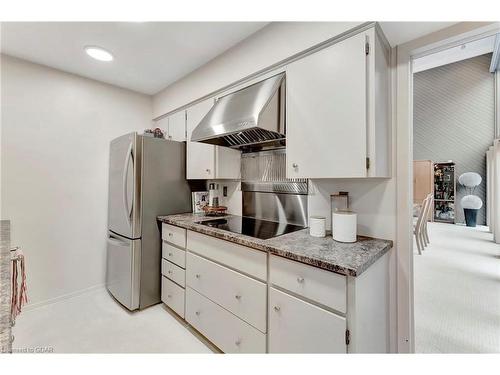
(128, 209)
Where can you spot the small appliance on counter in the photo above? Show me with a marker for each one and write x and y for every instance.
(213, 195)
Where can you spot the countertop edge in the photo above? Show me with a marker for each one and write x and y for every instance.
(238, 240)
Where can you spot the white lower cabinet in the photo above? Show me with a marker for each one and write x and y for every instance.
(223, 290)
(239, 294)
(172, 295)
(228, 332)
(296, 326)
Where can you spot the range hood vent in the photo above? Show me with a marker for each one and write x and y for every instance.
(253, 117)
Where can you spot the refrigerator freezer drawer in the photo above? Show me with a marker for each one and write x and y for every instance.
(123, 270)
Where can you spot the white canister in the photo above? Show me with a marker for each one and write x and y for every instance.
(344, 226)
(317, 226)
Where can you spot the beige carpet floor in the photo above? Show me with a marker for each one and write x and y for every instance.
(457, 291)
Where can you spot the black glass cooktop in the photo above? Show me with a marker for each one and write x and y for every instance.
(248, 226)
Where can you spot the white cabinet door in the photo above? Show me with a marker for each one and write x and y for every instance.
(296, 326)
(177, 126)
(326, 112)
(228, 163)
(200, 157)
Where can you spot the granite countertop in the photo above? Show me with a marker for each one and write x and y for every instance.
(350, 259)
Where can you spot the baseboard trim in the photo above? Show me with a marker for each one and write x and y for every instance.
(37, 305)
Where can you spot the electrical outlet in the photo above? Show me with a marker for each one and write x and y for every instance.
(224, 191)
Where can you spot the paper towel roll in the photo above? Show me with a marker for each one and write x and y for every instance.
(344, 226)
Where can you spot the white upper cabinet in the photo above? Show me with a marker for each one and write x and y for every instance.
(337, 111)
(200, 157)
(205, 161)
(177, 126)
(173, 126)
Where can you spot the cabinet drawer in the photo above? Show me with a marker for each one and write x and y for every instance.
(172, 295)
(174, 235)
(174, 254)
(322, 286)
(226, 331)
(173, 272)
(250, 261)
(296, 326)
(240, 294)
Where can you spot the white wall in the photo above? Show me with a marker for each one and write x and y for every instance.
(56, 129)
(268, 46)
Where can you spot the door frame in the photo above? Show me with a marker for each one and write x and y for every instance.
(443, 39)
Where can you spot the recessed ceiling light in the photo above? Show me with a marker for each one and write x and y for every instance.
(98, 53)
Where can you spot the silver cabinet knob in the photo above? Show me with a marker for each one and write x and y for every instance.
(238, 297)
(208, 170)
(300, 280)
(277, 308)
(197, 275)
(237, 342)
(198, 313)
(295, 165)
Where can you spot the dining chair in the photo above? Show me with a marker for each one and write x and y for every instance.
(419, 226)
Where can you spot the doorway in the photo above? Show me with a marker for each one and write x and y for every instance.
(456, 269)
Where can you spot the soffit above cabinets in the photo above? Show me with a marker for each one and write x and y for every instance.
(454, 54)
(148, 56)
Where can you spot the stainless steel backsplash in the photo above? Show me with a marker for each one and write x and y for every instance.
(267, 193)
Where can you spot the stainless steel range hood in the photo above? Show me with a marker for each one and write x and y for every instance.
(252, 117)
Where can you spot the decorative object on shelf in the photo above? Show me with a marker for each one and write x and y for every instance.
(470, 203)
(317, 226)
(200, 200)
(156, 133)
(215, 211)
(444, 192)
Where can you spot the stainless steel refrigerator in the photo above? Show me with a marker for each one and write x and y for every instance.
(147, 178)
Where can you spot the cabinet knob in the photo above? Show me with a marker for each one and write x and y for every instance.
(295, 165)
(170, 254)
(169, 296)
(170, 234)
(169, 271)
(237, 342)
(208, 170)
(197, 275)
(300, 280)
(238, 297)
(198, 313)
(277, 308)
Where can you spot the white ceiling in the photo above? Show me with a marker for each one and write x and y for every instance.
(148, 55)
(402, 32)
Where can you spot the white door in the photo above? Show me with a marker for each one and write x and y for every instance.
(296, 326)
(326, 112)
(177, 126)
(200, 157)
